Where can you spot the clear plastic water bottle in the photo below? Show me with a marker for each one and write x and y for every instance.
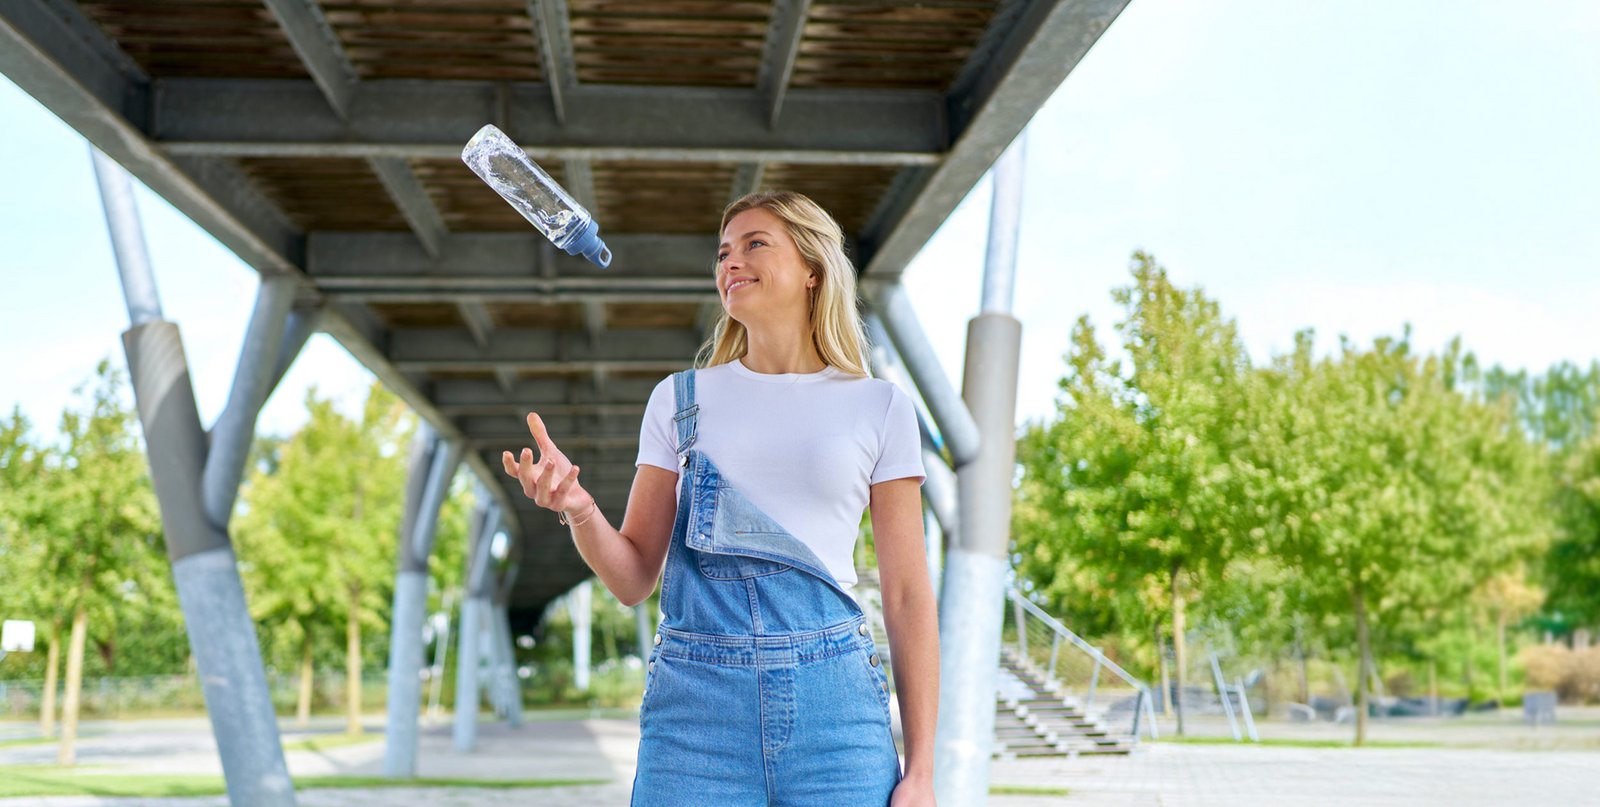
(541, 200)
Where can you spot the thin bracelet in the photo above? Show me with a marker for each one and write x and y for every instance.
(587, 515)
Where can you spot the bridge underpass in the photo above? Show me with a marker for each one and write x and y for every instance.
(320, 142)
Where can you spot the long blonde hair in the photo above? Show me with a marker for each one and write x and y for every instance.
(836, 329)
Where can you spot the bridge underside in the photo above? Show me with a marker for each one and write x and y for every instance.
(321, 142)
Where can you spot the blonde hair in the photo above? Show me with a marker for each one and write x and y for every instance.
(836, 329)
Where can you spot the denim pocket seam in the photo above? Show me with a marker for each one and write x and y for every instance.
(714, 568)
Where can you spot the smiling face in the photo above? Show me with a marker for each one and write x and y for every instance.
(760, 272)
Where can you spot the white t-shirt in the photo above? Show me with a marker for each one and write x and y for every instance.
(802, 447)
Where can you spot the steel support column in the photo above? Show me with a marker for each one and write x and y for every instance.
(204, 570)
(976, 561)
(507, 685)
(955, 422)
(474, 610)
(644, 625)
(433, 464)
(580, 604)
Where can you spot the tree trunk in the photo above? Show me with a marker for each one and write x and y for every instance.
(1180, 656)
(67, 754)
(1364, 672)
(1466, 661)
(1500, 637)
(1433, 686)
(352, 664)
(1305, 677)
(302, 710)
(52, 669)
(608, 635)
(1166, 680)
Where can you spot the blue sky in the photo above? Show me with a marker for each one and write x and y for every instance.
(1347, 166)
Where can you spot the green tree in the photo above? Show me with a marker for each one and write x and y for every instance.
(22, 464)
(1396, 492)
(319, 532)
(1573, 562)
(99, 543)
(1137, 483)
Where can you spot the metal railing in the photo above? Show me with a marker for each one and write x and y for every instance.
(1040, 639)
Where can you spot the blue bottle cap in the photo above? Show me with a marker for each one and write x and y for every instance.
(586, 242)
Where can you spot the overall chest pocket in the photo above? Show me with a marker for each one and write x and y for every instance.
(738, 567)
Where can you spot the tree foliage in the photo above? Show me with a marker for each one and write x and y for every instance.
(1356, 501)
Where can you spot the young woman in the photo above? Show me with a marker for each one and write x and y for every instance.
(763, 685)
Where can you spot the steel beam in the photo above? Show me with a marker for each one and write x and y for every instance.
(582, 422)
(551, 25)
(545, 410)
(977, 558)
(319, 49)
(476, 316)
(577, 442)
(204, 568)
(433, 465)
(575, 293)
(540, 392)
(423, 119)
(1046, 42)
(488, 519)
(949, 412)
(512, 345)
(579, 181)
(52, 60)
(408, 195)
(344, 260)
(362, 340)
(746, 179)
(235, 428)
(788, 23)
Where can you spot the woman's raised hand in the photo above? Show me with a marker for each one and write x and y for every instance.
(552, 482)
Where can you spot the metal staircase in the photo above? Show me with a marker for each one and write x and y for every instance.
(1032, 718)
(1050, 699)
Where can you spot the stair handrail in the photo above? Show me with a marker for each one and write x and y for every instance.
(1066, 633)
(1144, 701)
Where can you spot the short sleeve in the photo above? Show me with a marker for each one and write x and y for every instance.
(657, 445)
(899, 443)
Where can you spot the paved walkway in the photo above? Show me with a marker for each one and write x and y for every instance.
(1169, 775)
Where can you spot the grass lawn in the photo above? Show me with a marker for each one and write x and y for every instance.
(21, 741)
(1026, 790)
(41, 780)
(325, 742)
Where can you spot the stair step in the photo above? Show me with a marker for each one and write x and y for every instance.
(1027, 742)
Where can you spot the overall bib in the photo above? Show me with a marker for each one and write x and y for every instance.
(763, 686)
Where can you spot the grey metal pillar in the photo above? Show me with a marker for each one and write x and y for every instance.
(949, 412)
(441, 651)
(474, 609)
(510, 682)
(970, 611)
(644, 624)
(939, 488)
(933, 541)
(205, 573)
(580, 604)
(433, 464)
(507, 684)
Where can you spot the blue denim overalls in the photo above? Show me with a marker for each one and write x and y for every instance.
(763, 686)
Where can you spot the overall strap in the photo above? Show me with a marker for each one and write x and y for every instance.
(687, 416)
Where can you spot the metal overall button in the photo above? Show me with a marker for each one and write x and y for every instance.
(658, 638)
(862, 629)
(873, 660)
